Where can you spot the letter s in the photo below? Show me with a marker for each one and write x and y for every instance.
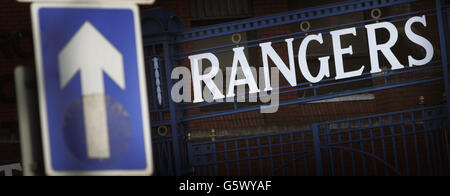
(419, 40)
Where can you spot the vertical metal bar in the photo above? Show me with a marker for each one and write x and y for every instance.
(293, 154)
(159, 168)
(237, 157)
(447, 150)
(416, 146)
(447, 32)
(445, 154)
(373, 147)
(216, 167)
(260, 157)
(190, 152)
(351, 147)
(163, 166)
(341, 152)
(305, 162)
(430, 151)
(173, 116)
(317, 152)
(164, 157)
(204, 166)
(438, 146)
(210, 171)
(394, 144)
(448, 25)
(184, 127)
(249, 158)
(444, 59)
(438, 131)
(427, 147)
(169, 150)
(361, 145)
(282, 154)
(405, 145)
(227, 167)
(270, 153)
(158, 150)
(330, 152)
(380, 120)
(433, 151)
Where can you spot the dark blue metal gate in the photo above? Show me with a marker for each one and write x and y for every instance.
(403, 141)
(410, 142)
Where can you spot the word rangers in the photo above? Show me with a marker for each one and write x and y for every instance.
(289, 72)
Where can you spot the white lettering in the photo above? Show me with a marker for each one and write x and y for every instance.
(207, 78)
(339, 51)
(239, 58)
(268, 51)
(324, 66)
(289, 72)
(384, 48)
(419, 40)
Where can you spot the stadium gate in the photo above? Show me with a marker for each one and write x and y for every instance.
(408, 141)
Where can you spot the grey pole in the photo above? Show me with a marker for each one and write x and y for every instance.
(29, 125)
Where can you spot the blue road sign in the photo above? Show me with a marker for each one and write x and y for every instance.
(92, 90)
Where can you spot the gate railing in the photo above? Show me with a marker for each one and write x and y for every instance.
(255, 155)
(409, 142)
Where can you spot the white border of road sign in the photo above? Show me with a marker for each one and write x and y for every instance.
(42, 97)
(147, 2)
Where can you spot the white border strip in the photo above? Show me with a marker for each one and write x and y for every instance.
(360, 97)
(35, 7)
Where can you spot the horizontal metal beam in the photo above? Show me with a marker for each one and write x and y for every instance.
(323, 83)
(300, 35)
(285, 18)
(383, 115)
(309, 99)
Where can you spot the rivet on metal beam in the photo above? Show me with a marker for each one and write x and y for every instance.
(236, 38)
(162, 130)
(305, 26)
(376, 13)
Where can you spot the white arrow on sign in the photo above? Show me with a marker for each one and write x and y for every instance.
(91, 53)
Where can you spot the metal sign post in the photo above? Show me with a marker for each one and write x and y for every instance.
(30, 136)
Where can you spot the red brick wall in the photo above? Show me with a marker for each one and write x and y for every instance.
(180, 7)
